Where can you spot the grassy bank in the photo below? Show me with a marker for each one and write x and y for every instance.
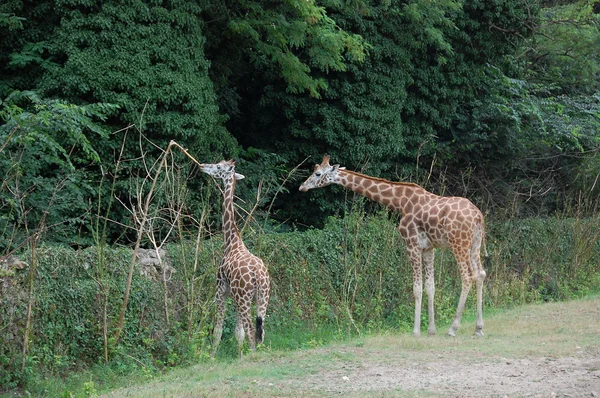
(348, 280)
(524, 336)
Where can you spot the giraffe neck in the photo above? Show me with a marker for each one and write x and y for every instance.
(231, 234)
(398, 196)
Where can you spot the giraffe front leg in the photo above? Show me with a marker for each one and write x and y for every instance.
(239, 333)
(428, 258)
(415, 260)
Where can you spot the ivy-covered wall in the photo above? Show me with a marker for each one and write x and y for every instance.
(351, 277)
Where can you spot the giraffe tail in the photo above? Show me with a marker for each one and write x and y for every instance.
(487, 261)
(260, 332)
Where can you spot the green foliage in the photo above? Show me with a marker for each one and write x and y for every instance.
(23, 43)
(535, 126)
(287, 38)
(392, 88)
(350, 278)
(147, 58)
(67, 326)
(564, 53)
(543, 259)
(384, 112)
(534, 142)
(46, 146)
(516, 117)
(12, 22)
(587, 179)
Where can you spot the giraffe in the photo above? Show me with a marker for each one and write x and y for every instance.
(428, 221)
(241, 274)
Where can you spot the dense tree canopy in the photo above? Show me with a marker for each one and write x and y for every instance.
(494, 100)
(502, 92)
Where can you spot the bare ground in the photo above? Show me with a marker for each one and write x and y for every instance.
(452, 374)
(548, 350)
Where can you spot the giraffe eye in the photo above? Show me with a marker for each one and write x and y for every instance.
(318, 174)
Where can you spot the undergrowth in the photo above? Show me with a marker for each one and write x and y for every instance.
(351, 278)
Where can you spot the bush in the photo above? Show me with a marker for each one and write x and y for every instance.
(349, 278)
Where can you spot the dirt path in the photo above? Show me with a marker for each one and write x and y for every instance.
(549, 350)
(451, 374)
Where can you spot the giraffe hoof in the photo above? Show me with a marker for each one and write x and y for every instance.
(416, 334)
(479, 332)
(451, 332)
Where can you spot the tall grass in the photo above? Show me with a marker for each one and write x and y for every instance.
(349, 278)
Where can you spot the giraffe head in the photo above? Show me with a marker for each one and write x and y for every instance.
(323, 175)
(224, 170)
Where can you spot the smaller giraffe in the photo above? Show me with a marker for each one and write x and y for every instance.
(428, 221)
(241, 274)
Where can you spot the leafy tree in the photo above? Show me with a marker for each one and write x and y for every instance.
(286, 40)
(425, 59)
(24, 29)
(147, 58)
(528, 143)
(46, 145)
(534, 126)
(564, 51)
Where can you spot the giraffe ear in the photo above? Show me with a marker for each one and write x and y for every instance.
(230, 165)
(342, 168)
(239, 176)
(335, 167)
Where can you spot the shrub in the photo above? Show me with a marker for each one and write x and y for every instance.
(348, 278)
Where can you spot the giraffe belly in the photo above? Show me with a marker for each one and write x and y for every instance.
(427, 241)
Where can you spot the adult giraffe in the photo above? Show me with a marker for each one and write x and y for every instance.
(241, 274)
(428, 221)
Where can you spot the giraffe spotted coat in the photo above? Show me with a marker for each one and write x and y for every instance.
(428, 221)
(241, 274)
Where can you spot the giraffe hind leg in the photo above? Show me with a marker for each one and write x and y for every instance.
(221, 300)
(239, 333)
(244, 326)
(466, 286)
(479, 323)
(467, 276)
(244, 323)
(262, 301)
(480, 274)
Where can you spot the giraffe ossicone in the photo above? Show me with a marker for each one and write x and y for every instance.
(428, 221)
(241, 274)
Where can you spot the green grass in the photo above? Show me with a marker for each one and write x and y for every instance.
(549, 330)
